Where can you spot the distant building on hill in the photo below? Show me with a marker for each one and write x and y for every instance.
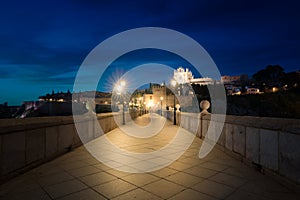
(185, 76)
(83, 97)
(101, 98)
(230, 79)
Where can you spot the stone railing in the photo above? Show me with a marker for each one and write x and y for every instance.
(25, 143)
(272, 144)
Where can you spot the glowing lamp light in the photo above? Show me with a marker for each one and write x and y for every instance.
(123, 83)
(150, 104)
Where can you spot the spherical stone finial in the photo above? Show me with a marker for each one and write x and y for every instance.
(90, 106)
(204, 105)
(177, 107)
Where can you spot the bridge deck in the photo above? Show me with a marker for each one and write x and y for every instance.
(78, 175)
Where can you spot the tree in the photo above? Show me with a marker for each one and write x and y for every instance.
(272, 75)
(292, 79)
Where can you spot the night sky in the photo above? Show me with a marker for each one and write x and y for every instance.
(43, 43)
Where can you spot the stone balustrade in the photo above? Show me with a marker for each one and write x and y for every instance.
(26, 143)
(272, 144)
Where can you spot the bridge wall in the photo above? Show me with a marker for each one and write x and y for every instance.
(26, 143)
(272, 144)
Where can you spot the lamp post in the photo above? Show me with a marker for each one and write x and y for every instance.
(140, 105)
(161, 99)
(174, 83)
(120, 87)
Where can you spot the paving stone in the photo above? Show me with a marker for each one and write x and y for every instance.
(200, 172)
(117, 173)
(269, 189)
(214, 166)
(87, 194)
(138, 194)
(83, 171)
(192, 161)
(163, 188)
(238, 195)
(214, 189)
(64, 188)
(229, 180)
(37, 194)
(98, 178)
(73, 165)
(165, 172)
(179, 166)
(114, 188)
(140, 179)
(54, 178)
(184, 179)
(192, 195)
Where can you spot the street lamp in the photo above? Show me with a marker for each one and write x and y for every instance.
(140, 105)
(174, 83)
(161, 99)
(119, 88)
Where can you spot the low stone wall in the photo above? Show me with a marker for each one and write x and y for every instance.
(25, 143)
(270, 143)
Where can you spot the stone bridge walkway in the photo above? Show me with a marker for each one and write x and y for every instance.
(78, 175)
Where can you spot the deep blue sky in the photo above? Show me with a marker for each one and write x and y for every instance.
(43, 43)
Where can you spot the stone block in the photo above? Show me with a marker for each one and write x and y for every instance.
(215, 132)
(178, 118)
(205, 125)
(98, 129)
(185, 122)
(269, 149)
(35, 145)
(193, 125)
(65, 137)
(239, 139)
(118, 119)
(252, 144)
(113, 123)
(105, 124)
(228, 136)
(289, 156)
(199, 129)
(222, 139)
(13, 152)
(85, 130)
(51, 141)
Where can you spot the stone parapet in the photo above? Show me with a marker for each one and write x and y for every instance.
(26, 143)
(273, 144)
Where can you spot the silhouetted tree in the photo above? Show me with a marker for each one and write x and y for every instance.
(292, 79)
(272, 75)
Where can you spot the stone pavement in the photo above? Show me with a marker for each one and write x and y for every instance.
(78, 175)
